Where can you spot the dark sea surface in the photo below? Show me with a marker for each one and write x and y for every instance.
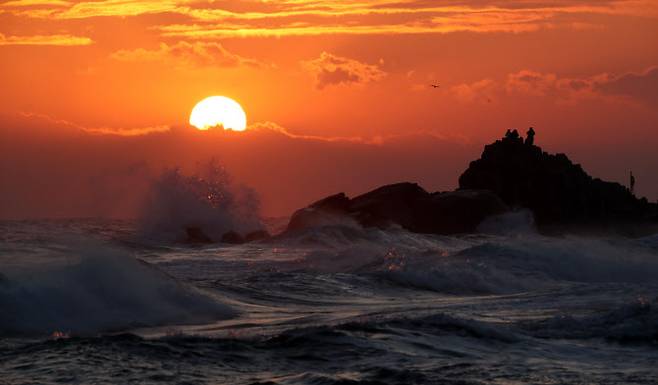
(93, 302)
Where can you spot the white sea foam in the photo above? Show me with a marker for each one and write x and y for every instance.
(528, 263)
(518, 222)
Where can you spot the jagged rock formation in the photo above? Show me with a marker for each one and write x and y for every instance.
(556, 190)
(406, 205)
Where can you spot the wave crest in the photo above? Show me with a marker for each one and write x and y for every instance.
(99, 289)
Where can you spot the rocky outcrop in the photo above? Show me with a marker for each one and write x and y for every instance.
(328, 211)
(195, 235)
(236, 238)
(257, 235)
(406, 205)
(557, 191)
(510, 173)
(232, 238)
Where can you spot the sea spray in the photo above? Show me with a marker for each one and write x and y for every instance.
(207, 200)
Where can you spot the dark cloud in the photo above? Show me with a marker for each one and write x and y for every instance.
(335, 70)
(642, 86)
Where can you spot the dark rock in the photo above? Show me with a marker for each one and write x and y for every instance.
(330, 210)
(196, 235)
(233, 238)
(338, 202)
(462, 211)
(257, 235)
(555, 189)
(406, 205)
(510, 173)
(399, 203)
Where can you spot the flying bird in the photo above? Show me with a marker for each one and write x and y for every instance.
(435, 85)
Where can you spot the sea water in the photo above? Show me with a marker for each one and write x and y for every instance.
(103, 302)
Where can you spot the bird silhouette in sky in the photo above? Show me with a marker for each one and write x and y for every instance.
(435, 85)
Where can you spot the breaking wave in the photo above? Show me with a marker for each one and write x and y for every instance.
(478, 263)
(389, 307)
(99, 289)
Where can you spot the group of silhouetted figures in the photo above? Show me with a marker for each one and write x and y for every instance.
(514, 136)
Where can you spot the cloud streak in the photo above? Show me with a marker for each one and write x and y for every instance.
(55, 40)
(640, 87)
(69, 126)
(199, 54)
(241, 18)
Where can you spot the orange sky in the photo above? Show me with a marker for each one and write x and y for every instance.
(96, 95)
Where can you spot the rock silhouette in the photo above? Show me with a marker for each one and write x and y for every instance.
(406, 205)
(257, 235)
(510, 173)
(554, 188)
(196, 235)
(232, 238)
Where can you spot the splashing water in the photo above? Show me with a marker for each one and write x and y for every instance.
(208, 200)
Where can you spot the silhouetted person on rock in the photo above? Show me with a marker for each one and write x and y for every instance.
(632, 183)
(513, 136)
(530, 137)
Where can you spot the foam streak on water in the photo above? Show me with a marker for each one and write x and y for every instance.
(91, 302)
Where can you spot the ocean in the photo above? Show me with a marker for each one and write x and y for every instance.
(96, 302)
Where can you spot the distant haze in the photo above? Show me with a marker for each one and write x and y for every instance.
(51, 169)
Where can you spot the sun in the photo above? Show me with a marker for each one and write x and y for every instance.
(215, 111)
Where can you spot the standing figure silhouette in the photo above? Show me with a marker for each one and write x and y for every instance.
(530, 137)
